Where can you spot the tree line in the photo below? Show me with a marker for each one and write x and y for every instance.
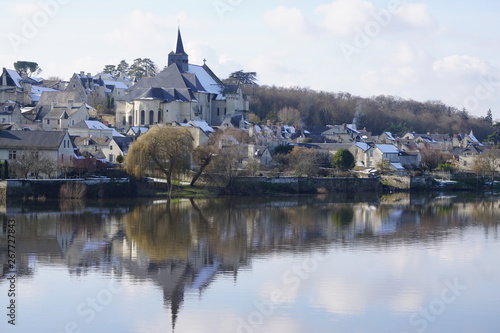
(377, 114)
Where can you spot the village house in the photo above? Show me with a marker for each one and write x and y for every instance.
(66, 115)
(10, 112)
(92, 128)
(54, 146)
(136, 130)
(260, 154)
(464, 140)
(440, 142)
(23, 90)
(180, 93)
(98, 148)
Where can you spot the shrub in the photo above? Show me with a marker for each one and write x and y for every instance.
(73, 190)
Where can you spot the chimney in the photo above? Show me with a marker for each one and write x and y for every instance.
(52, 104)
(82, 74)
(70, 104)
(251, 130)
(4, 77)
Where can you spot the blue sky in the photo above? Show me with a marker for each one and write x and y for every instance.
(422, 50)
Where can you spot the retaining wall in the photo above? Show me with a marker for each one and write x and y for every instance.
(294, 185)
(99, 187)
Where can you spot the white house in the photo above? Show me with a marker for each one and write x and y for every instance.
(54, 145)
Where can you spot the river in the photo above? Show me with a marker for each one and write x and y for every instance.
(399, 263)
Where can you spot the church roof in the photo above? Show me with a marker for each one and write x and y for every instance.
(172, 85)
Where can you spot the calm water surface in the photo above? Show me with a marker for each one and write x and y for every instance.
(386, 264)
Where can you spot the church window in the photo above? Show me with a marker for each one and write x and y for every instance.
(143, 117)
(151, 117)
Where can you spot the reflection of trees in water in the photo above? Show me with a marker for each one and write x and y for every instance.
(162, 231)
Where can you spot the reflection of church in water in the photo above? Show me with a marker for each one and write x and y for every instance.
(183, 248)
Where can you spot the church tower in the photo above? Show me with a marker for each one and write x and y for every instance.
(179, 57)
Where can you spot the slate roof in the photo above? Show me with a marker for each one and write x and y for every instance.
(44, 105)
(124, 143)
(16, 78)
(363, 145)
(31, 139)
(172, 85)
(169, 85)
(388, 149)
(94, 124)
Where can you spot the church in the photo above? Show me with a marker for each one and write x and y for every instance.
(180, 93)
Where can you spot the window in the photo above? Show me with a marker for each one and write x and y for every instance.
(130, 120)
(58, 121)
(218, 111)
(111, 147)
(151, 117)
(111, 157)
(64, 144)
(48, 121)
(143, 117)
(225, 111)
(12, 154)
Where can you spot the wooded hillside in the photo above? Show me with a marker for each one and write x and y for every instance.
(376, 114)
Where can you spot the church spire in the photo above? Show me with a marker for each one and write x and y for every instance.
(180, 46)
(180, 57)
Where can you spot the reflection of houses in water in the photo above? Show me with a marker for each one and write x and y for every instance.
(183, 248)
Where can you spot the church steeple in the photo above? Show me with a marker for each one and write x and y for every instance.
(180, 57)
(180, 46)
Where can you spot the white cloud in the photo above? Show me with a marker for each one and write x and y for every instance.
(341, 17)
(416, 15)
(24, 9)
(145, 31)
(462, 64)
(290, 19)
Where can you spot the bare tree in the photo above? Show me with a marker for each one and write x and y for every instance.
(488, 163)
(289, 116)
(33, 163)
(304, 161)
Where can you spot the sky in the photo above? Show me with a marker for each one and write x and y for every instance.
(422, 50)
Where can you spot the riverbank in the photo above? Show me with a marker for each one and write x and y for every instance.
(125, 187)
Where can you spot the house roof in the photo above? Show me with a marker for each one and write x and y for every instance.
(137, 129)
(124, 143)
(389, 136)
(398, 166)
(48, 98)
(15, 77)
(363, 145)
(387, 149)
(203, 125)
(95, 125)
(31, 139)
(36, 92)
